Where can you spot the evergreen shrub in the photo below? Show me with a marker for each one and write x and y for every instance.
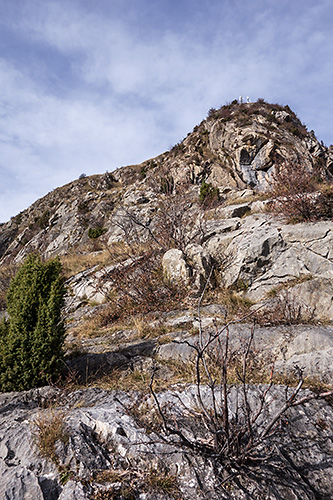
(209, 195)
(96, 232)
(31, 340)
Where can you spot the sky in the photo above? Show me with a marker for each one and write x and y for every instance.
(87, 86)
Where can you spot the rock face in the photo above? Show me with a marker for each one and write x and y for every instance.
(113, 444)
(306, 346)
(262, 254)
(235, 148)
(104, 437)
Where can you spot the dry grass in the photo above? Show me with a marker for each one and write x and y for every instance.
(169, 373)
(97, 323)
(285, 309)
(246, 199)
(175, 372)
(144, 330)
(74, 263)
(163, 482)
(314, 384)
(129, 380)
(288, 284)
(126, 484)
(235, 303)
(102, 323)
(48, 428)
(301, 195)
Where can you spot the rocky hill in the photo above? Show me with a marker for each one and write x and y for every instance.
(235, 148)
(168, 263)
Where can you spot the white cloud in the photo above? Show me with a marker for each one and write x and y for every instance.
(104, 91)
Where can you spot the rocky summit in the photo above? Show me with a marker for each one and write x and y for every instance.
(199, 334)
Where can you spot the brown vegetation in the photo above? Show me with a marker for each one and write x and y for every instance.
(48, 428)
(298, 196)
(233, 437)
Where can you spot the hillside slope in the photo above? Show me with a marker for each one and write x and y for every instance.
(235, 148)
(198, 318)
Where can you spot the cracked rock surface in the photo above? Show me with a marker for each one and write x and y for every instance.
(104, 436)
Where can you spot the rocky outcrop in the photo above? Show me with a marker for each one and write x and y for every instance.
(258, 254)
(235, 148)
(306, 346)
(113, 444)
(263, 254)
(240, 144)
(106, 445)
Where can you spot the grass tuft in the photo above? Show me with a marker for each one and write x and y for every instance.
(48, 428)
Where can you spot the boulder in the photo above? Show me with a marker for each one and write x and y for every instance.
(174, 266)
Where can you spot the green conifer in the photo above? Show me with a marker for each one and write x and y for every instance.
(31, 340)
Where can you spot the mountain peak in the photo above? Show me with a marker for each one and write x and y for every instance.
(237, 147)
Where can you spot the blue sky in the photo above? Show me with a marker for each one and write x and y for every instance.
(87, 86)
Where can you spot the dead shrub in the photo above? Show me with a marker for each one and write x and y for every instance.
(229, 428)
(127, 484)
(138, 286)
(285, 309)
(298, 196)
(324, 202)
(176, 223)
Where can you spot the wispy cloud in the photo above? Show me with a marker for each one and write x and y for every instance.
(87, 87)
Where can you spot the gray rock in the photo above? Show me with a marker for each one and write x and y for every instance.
(74, 490)
(307, 346)
(18, 483)
(244, 257)
(263, 254)
(236, 210)
(317, 295)
(104, 435)
(175, 267)
(102, 363)
(200, 262)
(218, 226)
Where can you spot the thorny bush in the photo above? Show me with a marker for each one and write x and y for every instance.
(232, 424)
(138, 286)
